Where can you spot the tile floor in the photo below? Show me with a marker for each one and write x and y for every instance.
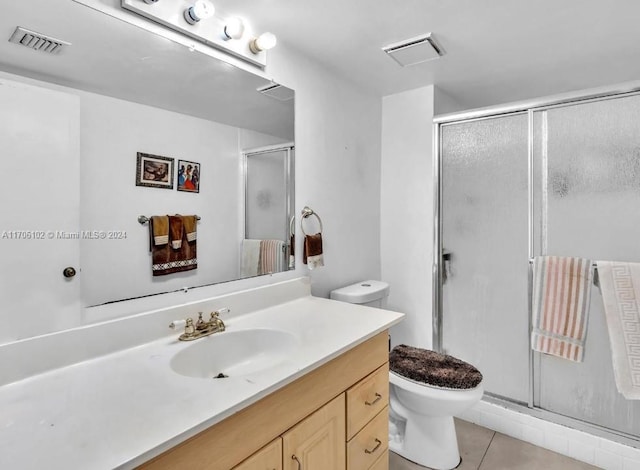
(484, 449)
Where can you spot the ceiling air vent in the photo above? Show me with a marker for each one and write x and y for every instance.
(277, 91)
(414, 51)
(37, 41)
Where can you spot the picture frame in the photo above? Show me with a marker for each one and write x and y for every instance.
(188, 176)
(154, 171)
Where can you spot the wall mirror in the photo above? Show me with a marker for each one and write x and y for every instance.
(72, 123)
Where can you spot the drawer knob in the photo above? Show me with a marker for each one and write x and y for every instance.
(378, 444)
(374, 401)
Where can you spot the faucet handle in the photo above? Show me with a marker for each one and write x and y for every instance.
(175, 324)
(187, 324)
(220, 311)
(200, 324)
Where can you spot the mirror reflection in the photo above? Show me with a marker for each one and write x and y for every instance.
(124, 123)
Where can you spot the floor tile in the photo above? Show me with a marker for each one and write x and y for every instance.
(473, 441)
(507, 453)
(398, 463)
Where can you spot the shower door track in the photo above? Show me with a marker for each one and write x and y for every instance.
(528, 107)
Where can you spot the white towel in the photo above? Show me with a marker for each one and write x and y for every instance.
(620, 287)
(250, 258)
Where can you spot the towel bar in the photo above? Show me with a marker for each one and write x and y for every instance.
(307, 212)
(143, 219)
(593, 265)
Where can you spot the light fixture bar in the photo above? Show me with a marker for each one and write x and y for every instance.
(210, 31)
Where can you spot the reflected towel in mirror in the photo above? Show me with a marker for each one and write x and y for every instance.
(166, 259)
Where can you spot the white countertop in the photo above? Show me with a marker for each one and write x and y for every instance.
(121, 409)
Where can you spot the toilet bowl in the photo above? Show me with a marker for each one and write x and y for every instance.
(421, 410)
(426, 414)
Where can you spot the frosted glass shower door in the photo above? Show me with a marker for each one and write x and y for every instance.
(587, 204)
(484, 217)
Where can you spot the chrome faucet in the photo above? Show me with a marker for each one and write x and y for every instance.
(201, 328)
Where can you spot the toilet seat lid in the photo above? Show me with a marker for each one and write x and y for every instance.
(432, 368)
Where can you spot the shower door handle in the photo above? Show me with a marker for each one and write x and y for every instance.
(446, 265)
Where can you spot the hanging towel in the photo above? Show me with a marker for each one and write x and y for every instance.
(159, 225)
(250, 258)
(166, 259)
(620, 287)
(292, 253)
(312, 255)
(190, 223)
(176, 228)
(271, 256)
(561, 295)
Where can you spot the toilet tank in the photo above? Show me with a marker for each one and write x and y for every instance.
(370, 293)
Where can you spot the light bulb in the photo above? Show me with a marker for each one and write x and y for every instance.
(201, 10)
(264, 42)
(233, 29)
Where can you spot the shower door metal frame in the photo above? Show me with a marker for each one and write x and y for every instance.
(529, 107)
(289, 172)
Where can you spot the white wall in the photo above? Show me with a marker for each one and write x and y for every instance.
(112, 132)
(407, 211)
(337, 168)
(251, 140)
(337, 174)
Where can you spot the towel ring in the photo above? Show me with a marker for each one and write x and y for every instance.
(306, 212)
(292, 225)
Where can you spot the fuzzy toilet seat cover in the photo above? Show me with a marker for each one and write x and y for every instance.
(432, 368)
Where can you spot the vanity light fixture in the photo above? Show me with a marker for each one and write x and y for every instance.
(233, 29)
(230, 33)
(200, 10)
(264, 42)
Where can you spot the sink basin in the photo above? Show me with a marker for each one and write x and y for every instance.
(235, 353)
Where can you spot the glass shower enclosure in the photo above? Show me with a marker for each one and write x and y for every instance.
(549, 178)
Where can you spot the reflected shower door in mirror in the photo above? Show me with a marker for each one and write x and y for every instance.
(268, 227)
(73, 124)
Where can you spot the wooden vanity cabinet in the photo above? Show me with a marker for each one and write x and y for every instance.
(267, 458)
(317, 442)
(308, 419)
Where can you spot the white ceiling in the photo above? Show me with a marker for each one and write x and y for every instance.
(497, 51)
(115, 58)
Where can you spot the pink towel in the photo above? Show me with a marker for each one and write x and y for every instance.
(270, 256)
(561, 294)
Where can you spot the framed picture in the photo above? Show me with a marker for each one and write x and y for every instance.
(154, 171)
(188, 176)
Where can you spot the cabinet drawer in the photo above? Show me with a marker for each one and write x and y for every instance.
(370, 443)
(382, 463)
(366, 399)
(267, 458)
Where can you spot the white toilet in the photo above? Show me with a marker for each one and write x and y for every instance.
(421, 426)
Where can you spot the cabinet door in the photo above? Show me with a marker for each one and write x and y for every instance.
(267, 458)
(317, 442)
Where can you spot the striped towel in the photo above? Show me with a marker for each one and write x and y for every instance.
(561, 294)
(271, 256)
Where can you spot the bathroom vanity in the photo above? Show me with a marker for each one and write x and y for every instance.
(337, 410)
(320, 397)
